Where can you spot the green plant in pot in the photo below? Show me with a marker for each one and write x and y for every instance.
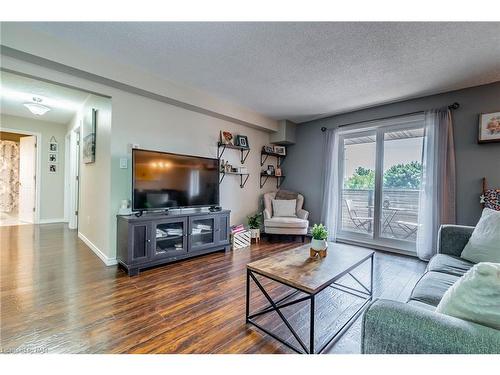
(254, 222)
(319, 237)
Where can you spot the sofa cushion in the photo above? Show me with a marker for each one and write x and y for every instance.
(475, 296)
(421, 305)
(484, 244)
(286, 195)
(432, 286)
(284, 208)
(286, 222)
(449, 264)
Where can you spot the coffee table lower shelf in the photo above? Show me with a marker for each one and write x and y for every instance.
(364, 293)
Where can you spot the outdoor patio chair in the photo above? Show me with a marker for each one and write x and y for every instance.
(408, 227)
(361, 222)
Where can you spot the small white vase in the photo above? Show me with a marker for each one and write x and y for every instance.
(318, 244)
(254, 233)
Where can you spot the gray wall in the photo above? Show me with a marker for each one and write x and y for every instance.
(304, 162)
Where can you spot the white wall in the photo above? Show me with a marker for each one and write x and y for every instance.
(159, 126)
(51, 185)
(153, 125)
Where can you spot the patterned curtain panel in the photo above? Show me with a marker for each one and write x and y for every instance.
(9, 176)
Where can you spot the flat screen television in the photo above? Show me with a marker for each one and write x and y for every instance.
(162, 180)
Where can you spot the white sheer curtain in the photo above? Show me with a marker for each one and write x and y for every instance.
(437, 194)
(331, 193)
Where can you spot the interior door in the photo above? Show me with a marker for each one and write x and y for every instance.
(27, 178)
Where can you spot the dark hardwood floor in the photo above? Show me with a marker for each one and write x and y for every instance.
(57, 296)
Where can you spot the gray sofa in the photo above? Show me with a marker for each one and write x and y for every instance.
(391, 327)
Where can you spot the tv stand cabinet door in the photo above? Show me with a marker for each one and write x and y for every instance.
(140, 243)
(223, 229)
(202, 232)
(169, 238)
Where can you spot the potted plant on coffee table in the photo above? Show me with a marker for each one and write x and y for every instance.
(254, 222)
(319, 242)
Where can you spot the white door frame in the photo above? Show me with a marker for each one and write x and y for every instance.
(72, 190)
(38, 163)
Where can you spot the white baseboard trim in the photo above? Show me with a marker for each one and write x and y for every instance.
(52, 221)
(107, 261)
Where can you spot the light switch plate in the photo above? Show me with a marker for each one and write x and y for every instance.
(123, 163)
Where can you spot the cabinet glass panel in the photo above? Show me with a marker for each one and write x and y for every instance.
(169, 237)
(202, 232)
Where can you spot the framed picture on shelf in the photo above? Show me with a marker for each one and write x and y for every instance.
(226, 138)
(242, 141)
(270, 170)
(268, 149)
(280, 150)
(489, 127)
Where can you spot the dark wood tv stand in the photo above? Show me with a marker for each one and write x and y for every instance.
(154, 239)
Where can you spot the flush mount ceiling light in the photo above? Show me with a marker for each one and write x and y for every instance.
(36, 108)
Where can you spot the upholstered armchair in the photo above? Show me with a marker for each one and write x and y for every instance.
(289, 225)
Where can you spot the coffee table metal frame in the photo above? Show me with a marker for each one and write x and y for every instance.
(365, 293)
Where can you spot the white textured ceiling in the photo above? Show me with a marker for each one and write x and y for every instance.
(16, 90)
(300, 71)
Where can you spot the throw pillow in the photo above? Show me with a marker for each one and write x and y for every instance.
(286, 195)
(475, 296)
(284, 208)
(484, 244)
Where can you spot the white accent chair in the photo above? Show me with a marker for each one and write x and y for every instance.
(297, 226)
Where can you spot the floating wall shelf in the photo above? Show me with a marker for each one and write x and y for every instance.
(264, 176)
(243, 177)
(221, 147)
(264, 155)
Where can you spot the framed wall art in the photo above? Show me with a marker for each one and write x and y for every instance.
(489, 127)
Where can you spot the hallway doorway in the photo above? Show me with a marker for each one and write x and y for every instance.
(18, 178)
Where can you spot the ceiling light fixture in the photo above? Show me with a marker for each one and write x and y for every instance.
(36, 108)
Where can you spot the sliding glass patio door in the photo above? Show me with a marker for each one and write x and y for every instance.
(380, 171)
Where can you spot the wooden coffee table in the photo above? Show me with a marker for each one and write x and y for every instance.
(305, 275)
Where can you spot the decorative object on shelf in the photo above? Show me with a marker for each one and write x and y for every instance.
(228, 167)
(270, 170)
(53, 157)
(242, 141)
(278, 172)
(280, 150)
(234, 170)
(243, 170)
(268, 149)
(53, 146)
(226, 137)
(319, 244)
(52, 168)
(222, 146)
(125, 208)
(89, 137)
(254, 222)
(489, 127)
(222, 166)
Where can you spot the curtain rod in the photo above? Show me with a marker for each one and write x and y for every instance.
(450, 107)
